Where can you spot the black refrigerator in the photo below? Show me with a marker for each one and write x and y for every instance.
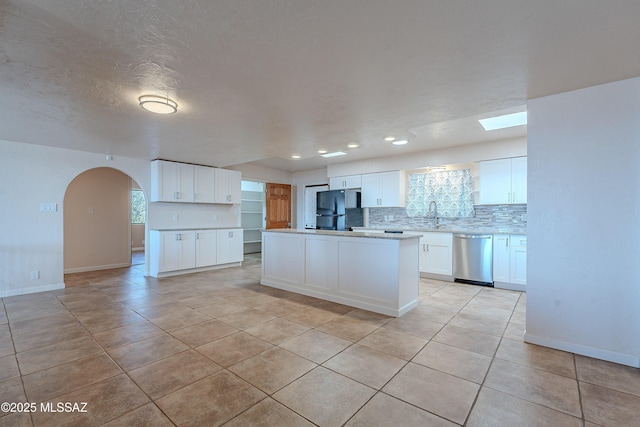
(338, 210)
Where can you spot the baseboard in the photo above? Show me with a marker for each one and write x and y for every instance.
(140, 249)
(194, 270)
(434, 276)
(96, 268)
(509, 286)
(584, 350)
(33, 290)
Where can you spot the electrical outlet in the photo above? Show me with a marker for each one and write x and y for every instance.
(175, 217)
(48, 207)
(215, 217)
(523, 217)
(35, 274)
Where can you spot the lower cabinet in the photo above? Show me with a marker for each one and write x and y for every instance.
(436, 253)
(181, 250)
(510, 261)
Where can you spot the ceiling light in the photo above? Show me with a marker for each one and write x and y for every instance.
(322, 151)
(389, 138)
(295, 156)
(158, 104)
(353, 145)
(400, 142)
(334, 154)
(506, 121)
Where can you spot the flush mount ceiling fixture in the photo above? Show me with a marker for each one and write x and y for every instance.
(334, 154)
(400, 142)
(158, 104)
(505, 121)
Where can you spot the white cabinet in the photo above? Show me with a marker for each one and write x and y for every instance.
(345, 182)
(206, 248)
(436, 253)
(510, 261)
(228, 186)
(503, 181)
(172, 250)
(385, 189)
(171, 182)
(203, 184)
(229, 246)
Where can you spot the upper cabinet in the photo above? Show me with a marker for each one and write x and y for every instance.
(503, 181)
(171, 181)
(345, 182)
(384, 189)
(180, 182)
(228, 186)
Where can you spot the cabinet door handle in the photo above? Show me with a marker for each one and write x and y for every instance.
(178, 236)
(424, 247)
(507, 241)
(513, 198)
(197, 236)
(427, 247)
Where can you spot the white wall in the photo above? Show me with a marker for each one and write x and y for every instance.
(263, 174)
(33, 240)
(299, 181)
(583, 211)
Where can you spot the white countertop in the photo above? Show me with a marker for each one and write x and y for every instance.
(388, 236)
(466, 230)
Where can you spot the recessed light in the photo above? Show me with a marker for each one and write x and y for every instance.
(334, 154)
(400, 142)
(158, 104)
(322, 151)
(295, 156)
(506, 121)
(389, 138)
(353, 145)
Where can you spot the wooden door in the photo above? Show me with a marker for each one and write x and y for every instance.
(278, 206)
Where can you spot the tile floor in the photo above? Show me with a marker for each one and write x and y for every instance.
(218, 348)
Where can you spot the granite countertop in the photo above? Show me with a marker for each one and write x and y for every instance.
(387, 236)
(194, 228)
(468, 230)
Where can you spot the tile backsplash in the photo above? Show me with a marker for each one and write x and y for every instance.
(493, 216)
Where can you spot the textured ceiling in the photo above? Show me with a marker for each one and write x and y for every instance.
(262, 80)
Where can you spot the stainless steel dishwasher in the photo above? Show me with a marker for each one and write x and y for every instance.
(473, 258)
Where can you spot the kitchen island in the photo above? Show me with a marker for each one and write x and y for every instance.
(372, 271)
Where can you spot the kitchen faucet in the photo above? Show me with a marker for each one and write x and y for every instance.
(435, 213)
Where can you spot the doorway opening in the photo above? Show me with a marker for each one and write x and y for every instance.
(138, 222)
(253, 215)
(98, 226)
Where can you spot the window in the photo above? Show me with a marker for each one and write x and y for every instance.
(138, 208)
(451, 190)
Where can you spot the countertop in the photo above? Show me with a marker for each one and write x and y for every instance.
(194, 228)
(387, 236)
(467, 230)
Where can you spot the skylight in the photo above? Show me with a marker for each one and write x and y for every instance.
(334, 154)
(506, 121)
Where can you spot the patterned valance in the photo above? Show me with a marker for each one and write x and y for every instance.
(451, 190)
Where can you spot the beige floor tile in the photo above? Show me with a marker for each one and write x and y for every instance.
(383, 408)
(494, 408)
(487, 310)
(515, 332)
(347, 328)
(160, 310)
(8, 367)
(221, 309)
(35, 311)
(109, 319)
(334, 307)
(42, 323)
(128, 334)
(268, 412)
(277, 330)
(547, 359)
(479, 324)
(201, 300)
(315, 345)
(468, 340)
(160, 378)
(519, 317)
(149, 300)
(203, 333)
(608, 407)
(280, 307)
(18, 419)
(37, 339)
(311, 316)
(442, 394)
(366, 365)
(6, 344)
(147, 415)
(272, 369)
(140, 353)
(607, 374)
(57, 354)
(412, 325)
(211, 401)
(246, 318)
(233, 348)
(551, 390)
(432, 314)
(105, 401)
(392, 342)
(174, 321)
(369, 316)
(62, 379)
(455, 361)
(324, 397)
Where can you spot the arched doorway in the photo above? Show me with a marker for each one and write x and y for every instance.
(98, 221)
